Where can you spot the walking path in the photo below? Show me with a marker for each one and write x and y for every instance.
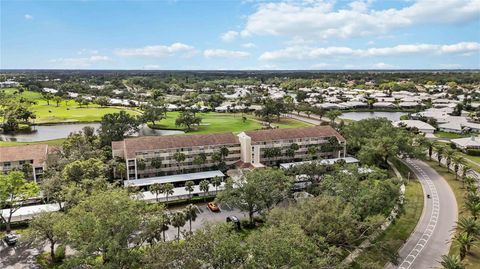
(432, 236)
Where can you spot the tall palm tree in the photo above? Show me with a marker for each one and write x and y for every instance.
(457, 161)
(178, 220)
(156, 189)
(465, 169)
(164, 222)
(204, 186)
(190, 212)
(189, 187)
(451, 262)
(168, 189)
(448, 155)
(428, 144)
(464, 243)
(440, 149)
(179, 158)
(469, 226)
(216, 182)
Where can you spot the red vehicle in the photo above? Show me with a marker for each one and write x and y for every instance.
(213, 207)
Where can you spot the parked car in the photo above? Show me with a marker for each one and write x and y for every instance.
(235, 221)
(213, 207)
(10, 239)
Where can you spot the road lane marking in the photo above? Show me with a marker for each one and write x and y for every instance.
(432, 223)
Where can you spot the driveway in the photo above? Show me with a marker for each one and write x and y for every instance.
(432, 236)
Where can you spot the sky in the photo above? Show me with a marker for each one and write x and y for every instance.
(240, 35)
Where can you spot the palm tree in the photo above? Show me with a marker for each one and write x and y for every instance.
(168, 189)
(473, 207)
(224, 152)
(448, 155)
(429, 144)
(190, 212)
(469, 226)
(457, 161)
(164, 222)
(189, 187)
(464, 242)
(465, 169)
(451, 262)
(156, 189)
(179, 158)
(204, 186)
(178, 220)
(312, 151)
(440, 150)
(216, 182)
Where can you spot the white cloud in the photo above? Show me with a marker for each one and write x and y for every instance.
(79, 62)
(221, 53)
(229, 36)
(383, 66)
(317, 19)
(306, 52)
(28, 17)
(87, 52)
(157, 50)
(249, 45)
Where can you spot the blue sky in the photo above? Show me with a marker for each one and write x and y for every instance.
(249, 34)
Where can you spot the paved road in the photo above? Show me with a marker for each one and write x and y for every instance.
(432, 236)
(312, 120)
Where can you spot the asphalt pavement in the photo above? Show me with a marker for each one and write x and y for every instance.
(433, 234)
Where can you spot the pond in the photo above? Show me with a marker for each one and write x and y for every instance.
(392, 116)
(57, 131)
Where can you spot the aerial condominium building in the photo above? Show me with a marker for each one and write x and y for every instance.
(156, 156)
(275, 146)
(153, 156)
(30, 159)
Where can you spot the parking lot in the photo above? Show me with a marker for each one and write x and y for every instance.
(204, 216)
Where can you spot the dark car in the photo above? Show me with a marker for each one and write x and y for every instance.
(235, 221)
(10, 239)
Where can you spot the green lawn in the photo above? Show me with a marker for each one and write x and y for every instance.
(49, 142)
(449, 135)
(213, 122)
(396, 234)
(473, 258)
(67, 111)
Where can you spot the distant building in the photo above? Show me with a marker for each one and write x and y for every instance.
(467, 143)
(9, 84)
(420, 125)
(29, 158)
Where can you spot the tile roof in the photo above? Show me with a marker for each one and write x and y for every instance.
(148, 143)
(37, 153)
(292, 133)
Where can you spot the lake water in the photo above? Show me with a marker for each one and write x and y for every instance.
(57, 131)
(392, 116)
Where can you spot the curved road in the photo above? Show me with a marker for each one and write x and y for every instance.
(432, 236)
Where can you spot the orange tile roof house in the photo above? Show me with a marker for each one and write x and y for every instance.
(17, 157)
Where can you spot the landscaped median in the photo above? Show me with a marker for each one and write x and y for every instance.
(384, 248)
